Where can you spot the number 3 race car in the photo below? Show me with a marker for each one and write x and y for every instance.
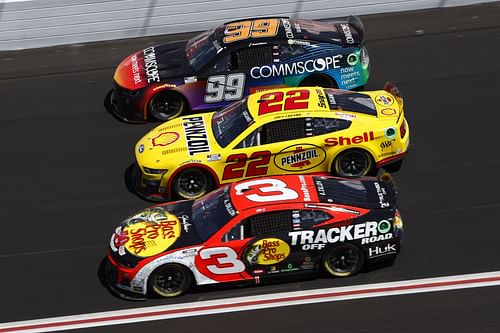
(286, 131)
(255, 230)
(227, 63)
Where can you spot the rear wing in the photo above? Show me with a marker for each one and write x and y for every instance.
(355, 21)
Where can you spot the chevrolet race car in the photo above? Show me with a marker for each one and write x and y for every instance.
(228, 62)
(285, 131)
(256, 230)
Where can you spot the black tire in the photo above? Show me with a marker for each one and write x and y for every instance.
(166, 105)
(343, 260)
(319, 80)
(352, 163)
(192, 183)
(170, 280)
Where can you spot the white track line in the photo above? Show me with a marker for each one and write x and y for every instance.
(253, 302)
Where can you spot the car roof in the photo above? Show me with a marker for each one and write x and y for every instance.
(310, 99)
(289, 28)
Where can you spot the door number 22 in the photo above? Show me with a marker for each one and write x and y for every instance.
(225, 88)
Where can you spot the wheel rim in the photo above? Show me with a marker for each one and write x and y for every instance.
(192, 183)
(165, 106)
(354, 164)
(170, 280)
(343, 260)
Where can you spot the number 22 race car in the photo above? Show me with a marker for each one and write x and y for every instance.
(284, 131)
(256, 230)
(233, 60)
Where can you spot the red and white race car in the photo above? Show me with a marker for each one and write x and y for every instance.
(253, 230)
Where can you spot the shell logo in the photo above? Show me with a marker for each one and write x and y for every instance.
(164, 139)
(388, 112)
(268, 251)
(146, 238)
(300, 157)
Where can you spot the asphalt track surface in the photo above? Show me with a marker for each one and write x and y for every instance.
(62, 190)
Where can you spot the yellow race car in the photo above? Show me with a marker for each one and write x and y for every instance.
(302, 130)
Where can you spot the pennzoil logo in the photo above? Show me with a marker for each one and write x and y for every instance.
(268, 251)
(300, 157)
(196, 135)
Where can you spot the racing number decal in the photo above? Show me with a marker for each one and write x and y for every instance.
(273, 101)
(237, 162)
(221, 260)
(276, 190)
(244, 29)
(228, 88)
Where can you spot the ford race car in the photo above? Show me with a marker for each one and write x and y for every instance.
(228, 62)
(285, 131)
(255, 230)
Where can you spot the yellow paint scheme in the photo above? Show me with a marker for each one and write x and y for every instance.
(163, 150)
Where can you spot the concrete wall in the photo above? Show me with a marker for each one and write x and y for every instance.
(39, 23)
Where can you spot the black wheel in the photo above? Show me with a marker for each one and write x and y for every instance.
(318, 80)
(343, 260)
(352, 163)
(170, 280)
(166, 105)
(192, 183)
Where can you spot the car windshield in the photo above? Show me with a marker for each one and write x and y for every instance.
(212, 211)
(230, 122)
(201, 49)
(350, 101)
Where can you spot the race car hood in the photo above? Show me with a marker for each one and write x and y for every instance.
(153, 65)
(152, 231)
(176, 141)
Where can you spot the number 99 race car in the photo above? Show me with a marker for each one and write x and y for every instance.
(284, 131)
(256, 230)
(228, 62)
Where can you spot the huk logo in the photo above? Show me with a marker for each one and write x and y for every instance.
(380, 251)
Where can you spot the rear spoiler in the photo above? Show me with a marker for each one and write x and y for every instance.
(355, 21)
(394, 91)
(385, 177)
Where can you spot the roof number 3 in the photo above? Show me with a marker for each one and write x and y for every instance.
(267, 190)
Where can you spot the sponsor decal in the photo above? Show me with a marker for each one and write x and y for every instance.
(317, 239)
(229, 207)
(151, 65)
(331, 99)
(163, 86)
(164, 139)
(297, 27)
(300, 157)
(140, 149)
(307, 263)
(299, 67)
(304, 188)
(146, 234)
(388, 112)
(378, 251)
(390, 133)
(341, 141)
(213, 157)
(387, 144)
(378, 238)
(190, 79)
(135, 69)
(322, 99)
(352, 59)
(288, 28)
(298, 42)
(384, 100)
(347, 33)
(185, 222)
(349, 75)
(196, 135)
(268, 251)
(381, 195)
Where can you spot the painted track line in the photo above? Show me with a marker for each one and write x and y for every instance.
(253, 303)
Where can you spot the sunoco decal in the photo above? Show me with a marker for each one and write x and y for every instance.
(146, 234)
(267, 251)
(196, 135)
(164, 139)
(368, 232)
(300, 157)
